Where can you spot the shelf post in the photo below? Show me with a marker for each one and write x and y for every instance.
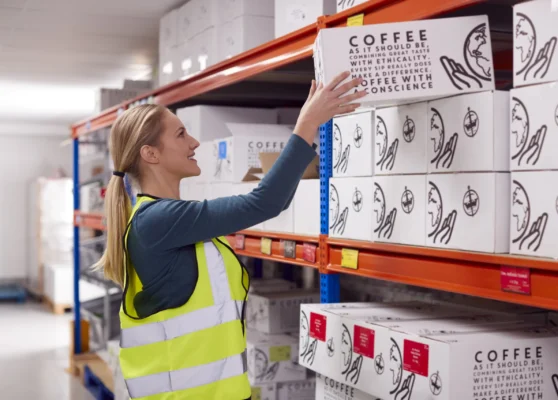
(77, 316)
(329, 283)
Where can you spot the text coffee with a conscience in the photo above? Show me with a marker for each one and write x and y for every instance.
(509, 374)
(396, 62)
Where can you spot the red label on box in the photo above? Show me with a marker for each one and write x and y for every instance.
(239, 242)
(415, 357)
(318, 324)
(309, 252)
(516, 280)
(364, 341)
(103, 192)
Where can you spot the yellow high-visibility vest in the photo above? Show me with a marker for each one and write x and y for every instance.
(196, 351)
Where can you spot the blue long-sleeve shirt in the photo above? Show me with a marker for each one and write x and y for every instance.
(163, 232)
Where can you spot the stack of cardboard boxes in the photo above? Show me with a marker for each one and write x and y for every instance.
(202, 33)
(414, 350)
(534, 131)
(272, 316)
(238, 146)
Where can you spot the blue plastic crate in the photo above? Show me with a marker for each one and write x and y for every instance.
(95, 386)
(13, 292)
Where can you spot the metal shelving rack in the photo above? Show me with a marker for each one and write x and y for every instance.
(453, 271)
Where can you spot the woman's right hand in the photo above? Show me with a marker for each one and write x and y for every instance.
(324, 102)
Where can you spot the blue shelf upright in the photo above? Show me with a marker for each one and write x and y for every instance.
(329, 283)
(77, 313)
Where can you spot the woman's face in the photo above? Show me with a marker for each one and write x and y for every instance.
(177, 148)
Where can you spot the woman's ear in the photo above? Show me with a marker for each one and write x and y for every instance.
(150, 154)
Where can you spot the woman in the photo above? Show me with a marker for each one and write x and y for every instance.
(182, 314)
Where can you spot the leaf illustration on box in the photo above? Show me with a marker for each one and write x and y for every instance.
(440, 227)
(351, 365)
(386, 152)
(444, 151)
(384, 223)
(526, 233)
(533, 64)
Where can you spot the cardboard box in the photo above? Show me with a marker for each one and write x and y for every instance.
(198, 15)
(170, 61)
(264, 392)
(534, 43)
(326, 343)
(400, 139)
(219, 190)
(469, 133)
(168, 31)
(270, 285)
(279, 312)
(232, 9)
(399, 209)
(199, 53)
(509, 364)
(468, 211)
(291, 15)
(244, 33)
(207, 123)
(307, 208)
(351, 212)
(240, 152)
(353, 142)
(288, 116)
(534, 127)
(409, 61)
(343, 5)
(283, 223)
(273, 358)
(330, 389)
(301, 390)
(206, 155)
(534, 209)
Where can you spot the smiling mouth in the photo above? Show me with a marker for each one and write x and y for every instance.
(191, 158)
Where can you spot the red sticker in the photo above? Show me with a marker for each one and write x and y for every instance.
(516, 280)
(318, 324)
(239, 242)
(364, 341)
(309, 252)
(415, 357)
(103, 192)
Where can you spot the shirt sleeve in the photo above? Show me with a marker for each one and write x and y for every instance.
(168, 224)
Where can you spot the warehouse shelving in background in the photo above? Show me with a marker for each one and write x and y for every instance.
(277, 74)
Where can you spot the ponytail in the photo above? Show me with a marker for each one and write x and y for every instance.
(135, 128)
(117, 211)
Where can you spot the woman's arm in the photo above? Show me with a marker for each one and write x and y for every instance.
(175, 223)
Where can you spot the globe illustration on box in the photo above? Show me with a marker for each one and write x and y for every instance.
(524, 41)
(478, 54)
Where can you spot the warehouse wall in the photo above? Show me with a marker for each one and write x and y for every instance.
(24, 157)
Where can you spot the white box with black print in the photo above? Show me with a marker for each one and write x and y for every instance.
(534, 213)
(534, 42)
(240, 152)
(352, 145)
(534, 127)
(291, 15)
(301, 390)
(307, 208)
(330, 389)
(469, 133)
(273, 358)
(265, 391)
(400, 139)
(409, 61)
(468, 211)
(343, 5)
(351, 211)
(399, 209)
(243, 34)
(278, 312)
(505, 364)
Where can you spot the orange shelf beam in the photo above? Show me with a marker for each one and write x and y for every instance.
(462, 272)
(277, 53)
(253, 247)
(90, 220)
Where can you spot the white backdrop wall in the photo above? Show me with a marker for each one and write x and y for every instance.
(24, 158)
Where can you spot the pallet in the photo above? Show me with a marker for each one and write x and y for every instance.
(95, 375)
(57, 309)
(95, 386)
(13, 292)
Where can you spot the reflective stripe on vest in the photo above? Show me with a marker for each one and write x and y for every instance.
(188, 377)
(151, 372)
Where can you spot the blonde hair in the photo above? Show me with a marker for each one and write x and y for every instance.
(135, 128)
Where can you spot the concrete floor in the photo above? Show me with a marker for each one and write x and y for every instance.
(34, 354)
